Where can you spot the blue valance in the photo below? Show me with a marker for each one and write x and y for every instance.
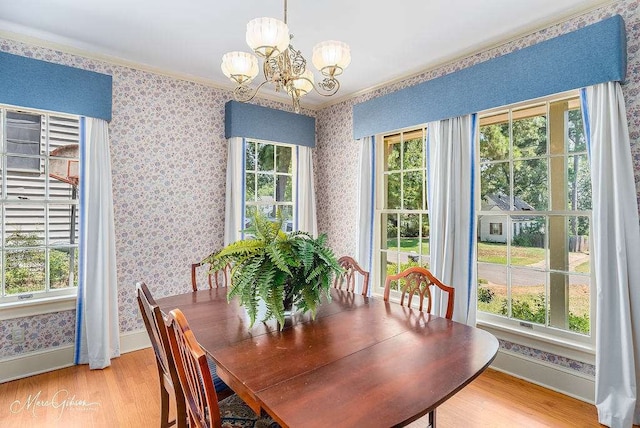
(264, 123)
(28, 82)
(593, 54)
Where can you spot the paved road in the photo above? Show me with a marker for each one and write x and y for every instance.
(527, 275)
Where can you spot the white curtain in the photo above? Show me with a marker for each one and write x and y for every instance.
(616, 245)
(97, 330)
(306, 198)
(234, 197)
(451, 170)
(366, 208)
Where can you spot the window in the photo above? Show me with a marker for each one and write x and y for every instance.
(535, 180)
(38, 204)
(269, 184)
(495, 228)
(403, 220)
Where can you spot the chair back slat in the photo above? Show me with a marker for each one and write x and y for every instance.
(193, 372)
(417, 281)
(348, 278)
(156, 329)
(221, 277)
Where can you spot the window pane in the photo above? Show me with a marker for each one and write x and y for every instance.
(63, 267)
(392, 153)
(25, 185)
(528, 241)
(286, 211)
(412, 191)
(530, 132)
(578, 183)
(250, 155)
(60, 219)
(24, 225)
(250, 186)
(425, 235)
(265, 187)
(530, 184)
(393, 191)
(576, 141)
(409, 237)
(390, 230)
(25, 271)
(413, 154)
(494, 185)
(492, 248)
(528, 295)
(265, 157)
(494, 139)
(283, 159)
(579, 255)
(492, 288)
(283, 188)
(579, 304)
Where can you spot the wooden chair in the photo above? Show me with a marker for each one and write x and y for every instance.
(417, 280)
(221, 277)
(203, 408)
(169, 383)
(348, 278)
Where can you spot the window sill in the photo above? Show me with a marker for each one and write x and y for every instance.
(38, 307)
(574, 350)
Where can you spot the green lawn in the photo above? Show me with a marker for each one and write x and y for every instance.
(489, 252)
(408, 245)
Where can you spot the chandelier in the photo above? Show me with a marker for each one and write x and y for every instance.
(283, 65)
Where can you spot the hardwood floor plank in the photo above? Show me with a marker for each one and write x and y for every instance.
(128, 395)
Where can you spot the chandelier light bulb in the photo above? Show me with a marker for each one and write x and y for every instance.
(267, 36)
(331, 57)
(241, 67)
(302, 84)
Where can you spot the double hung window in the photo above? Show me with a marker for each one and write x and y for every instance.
(269, 181)
(403, 218)
(534, 219)
(39, 182)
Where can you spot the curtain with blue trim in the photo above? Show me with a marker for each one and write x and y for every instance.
(366, 207)
(450, 191)
(306, 194)
(616, 247)
(97, 328)
(235, 192)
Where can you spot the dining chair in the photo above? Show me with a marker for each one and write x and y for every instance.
(169, 382)
(348, 277)
(155, 323)
(417, 280)
(220, 277)
(203, 408)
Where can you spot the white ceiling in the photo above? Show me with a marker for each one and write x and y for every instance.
(388, 40)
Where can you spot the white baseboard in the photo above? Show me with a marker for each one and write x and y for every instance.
(33, 363)
(551, 376)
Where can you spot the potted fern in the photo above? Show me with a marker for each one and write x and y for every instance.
(282, 269)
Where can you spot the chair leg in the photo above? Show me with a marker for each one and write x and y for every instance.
(164, 415)
(432, 419)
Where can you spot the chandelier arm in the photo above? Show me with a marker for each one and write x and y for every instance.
(245, 93)
(328, 87)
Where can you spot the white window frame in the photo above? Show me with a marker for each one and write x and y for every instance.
(571, 344)
(378, 274)
(48, 300)
(293, 174)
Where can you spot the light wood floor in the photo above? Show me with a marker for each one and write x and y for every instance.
(127, 396)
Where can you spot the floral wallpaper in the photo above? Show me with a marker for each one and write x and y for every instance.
(168, 158)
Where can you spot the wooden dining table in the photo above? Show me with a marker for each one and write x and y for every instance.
(362, 362)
